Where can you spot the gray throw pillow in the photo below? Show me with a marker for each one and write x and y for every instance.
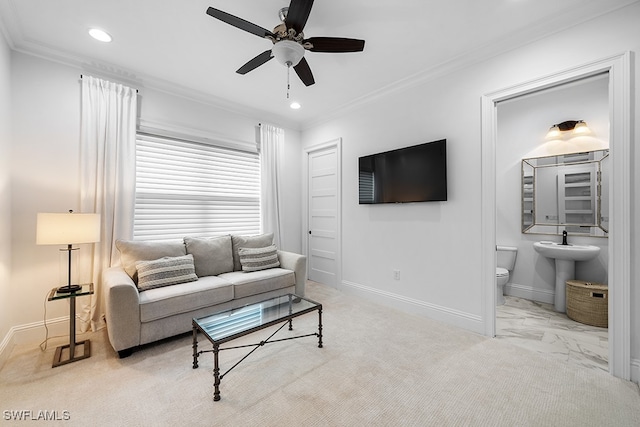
(256, 259)
(211, 255)
(238, 242)
(165, 271)
(132, 251)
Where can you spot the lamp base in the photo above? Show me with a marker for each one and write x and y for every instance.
(69, 288)
(58, 360)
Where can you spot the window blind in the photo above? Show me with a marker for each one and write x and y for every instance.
(186, 188)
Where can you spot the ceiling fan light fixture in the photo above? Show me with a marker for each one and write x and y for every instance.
(295, 105)
(288, 52)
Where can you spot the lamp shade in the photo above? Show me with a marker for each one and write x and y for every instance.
(67, 228)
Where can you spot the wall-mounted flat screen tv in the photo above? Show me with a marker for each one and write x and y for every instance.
(411, 174)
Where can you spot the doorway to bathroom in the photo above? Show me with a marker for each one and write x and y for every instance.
(527, 316)
(613, 74)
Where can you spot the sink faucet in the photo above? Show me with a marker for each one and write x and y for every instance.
(564, 238)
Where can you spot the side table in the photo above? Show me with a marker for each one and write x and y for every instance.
(87, 289)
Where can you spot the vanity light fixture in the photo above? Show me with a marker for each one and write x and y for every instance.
(579, 127)
(554, 132)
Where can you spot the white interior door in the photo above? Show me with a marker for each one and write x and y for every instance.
(323, 210)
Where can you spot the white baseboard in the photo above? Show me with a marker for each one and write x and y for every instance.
(6, 347)
(635, 370)
(529, 292)
(457, 318)
(454, 317)
(32, 333)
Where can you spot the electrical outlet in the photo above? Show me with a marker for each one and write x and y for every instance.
(396, 274)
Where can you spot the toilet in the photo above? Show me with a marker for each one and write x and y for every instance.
(506, 260)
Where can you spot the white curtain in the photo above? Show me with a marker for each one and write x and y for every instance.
(271, 148)
(107, 182)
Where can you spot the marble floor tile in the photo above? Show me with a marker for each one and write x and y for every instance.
(538, 327)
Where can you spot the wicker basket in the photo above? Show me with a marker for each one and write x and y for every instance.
(588, 303)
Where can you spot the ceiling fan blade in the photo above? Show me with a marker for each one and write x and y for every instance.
(255, 62)
(239, 23)
(298, 14)
(304, 72)
(335, 44)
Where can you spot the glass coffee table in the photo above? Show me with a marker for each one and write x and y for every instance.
(225, 326)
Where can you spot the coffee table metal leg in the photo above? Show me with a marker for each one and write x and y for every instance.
(195, 348)
(216, 373)
(320, 327)
(290, 311)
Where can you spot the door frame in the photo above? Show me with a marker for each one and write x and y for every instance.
(337, 144)
(619, 275)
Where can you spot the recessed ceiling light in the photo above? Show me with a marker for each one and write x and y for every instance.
(100, 35)
(295, 105)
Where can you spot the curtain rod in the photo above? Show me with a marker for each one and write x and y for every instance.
(82, 76)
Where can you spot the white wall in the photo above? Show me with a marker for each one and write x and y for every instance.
(437, 245)
(44, 177)
(5, 194)
(522, 127)
(45, 170)
(434, 244)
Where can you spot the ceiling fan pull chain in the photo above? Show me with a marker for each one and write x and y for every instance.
(288, 83)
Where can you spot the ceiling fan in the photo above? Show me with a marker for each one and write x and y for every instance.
(288, 39)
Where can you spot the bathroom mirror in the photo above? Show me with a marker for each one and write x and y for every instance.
(567, 192)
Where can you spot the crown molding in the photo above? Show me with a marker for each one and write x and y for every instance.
(143, 81)
(10, 26)
(540, 30)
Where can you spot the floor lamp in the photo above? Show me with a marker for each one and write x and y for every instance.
(68, 229)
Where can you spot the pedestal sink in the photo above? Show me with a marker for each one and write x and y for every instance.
(566, 257)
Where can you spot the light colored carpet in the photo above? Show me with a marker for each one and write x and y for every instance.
(378, 367)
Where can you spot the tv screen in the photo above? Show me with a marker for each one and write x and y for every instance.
(411, 174)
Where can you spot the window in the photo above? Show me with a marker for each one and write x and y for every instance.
(186, 188)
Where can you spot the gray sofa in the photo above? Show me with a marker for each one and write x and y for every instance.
(159, 286)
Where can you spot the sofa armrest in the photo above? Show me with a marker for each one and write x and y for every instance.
(122, 307)
(298, 264)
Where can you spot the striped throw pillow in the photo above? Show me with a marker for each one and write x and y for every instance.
(255, 259)
(165, 271)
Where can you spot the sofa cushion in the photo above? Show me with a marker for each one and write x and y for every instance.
(211, 255)
(259, 241)
(256, 259)
(164, 302)
(132, 251)
(165, 271)
(257, 282)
